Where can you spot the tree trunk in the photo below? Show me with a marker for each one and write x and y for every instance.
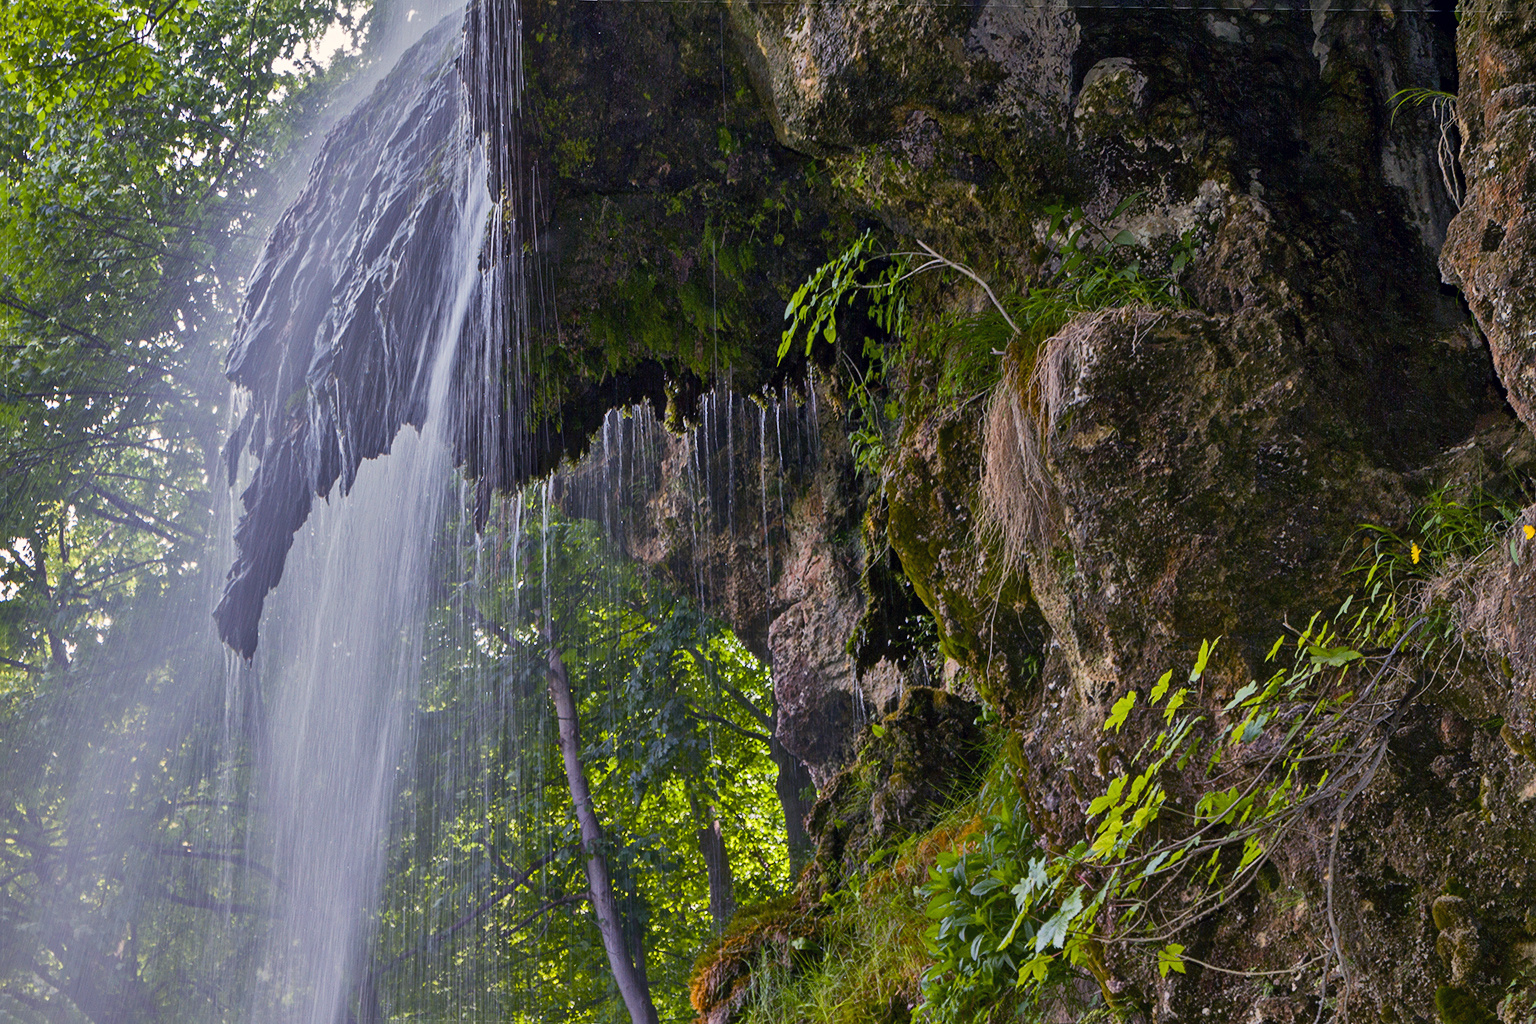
(792, 780)
(717, 862)
(791, 783)
(636, 993)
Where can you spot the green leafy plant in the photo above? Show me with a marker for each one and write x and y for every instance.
(1094, 270)
(976, 938)
(1427, 569)
(1181, 831)
(1099, 270)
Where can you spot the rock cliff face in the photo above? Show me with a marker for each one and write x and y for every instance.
(1490, 253)
(1491, 246)
(1084, 512)
(1206, 467)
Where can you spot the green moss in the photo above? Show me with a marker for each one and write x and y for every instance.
(778, 934)
(1457, 1006)
(872, 957)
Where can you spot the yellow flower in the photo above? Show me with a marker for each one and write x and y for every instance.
(1414, 552)
(1530, 531)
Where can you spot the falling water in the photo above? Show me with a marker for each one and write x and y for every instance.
(762, 486)
(334, 681)
(676, 498)
(340, 663)
(306, 757)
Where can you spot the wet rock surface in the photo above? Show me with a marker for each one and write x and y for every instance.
(1210, 469)
(334, 341)
(927, 752)
(1490, 250)
(661, 231)
(1210, 465)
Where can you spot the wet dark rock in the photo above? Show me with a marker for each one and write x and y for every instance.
(925, 755)
(1210, 464)
(658, 242)
(333, 339)
(1211, 469)
(988, 623)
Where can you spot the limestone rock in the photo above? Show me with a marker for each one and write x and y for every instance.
(1490, 249)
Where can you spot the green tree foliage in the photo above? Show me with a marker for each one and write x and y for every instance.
(127, 886)
(134, 139)
(487, 911)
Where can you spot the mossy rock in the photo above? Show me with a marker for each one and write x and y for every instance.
(987, 620)
(672, 225)
(782, 931)
(1457, 1006)
(911, 767)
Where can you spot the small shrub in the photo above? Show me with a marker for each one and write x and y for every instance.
(1016, 922)
(1431, 572)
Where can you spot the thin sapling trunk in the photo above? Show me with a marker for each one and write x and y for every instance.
(636, 993)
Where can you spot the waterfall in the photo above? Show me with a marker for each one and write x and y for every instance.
(339, 666)
(380, 263)
(361, 776)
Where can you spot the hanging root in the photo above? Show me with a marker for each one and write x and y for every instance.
(1021, 504)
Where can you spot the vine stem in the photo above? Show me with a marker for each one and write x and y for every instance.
(1254, 974)
(1338, 824)
(936, 260)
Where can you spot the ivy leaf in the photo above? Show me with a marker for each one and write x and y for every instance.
(1170, 958)
(1117, 713)
(1252, 851)
(1037, 876)
(1110, 798)
(1333, 657)
(1153, 864)
(1174, 703)
(1206, 647)
(1161, 687)
(1008, 939)
(1306, 634)
(1034, 972)
(1243, 694)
